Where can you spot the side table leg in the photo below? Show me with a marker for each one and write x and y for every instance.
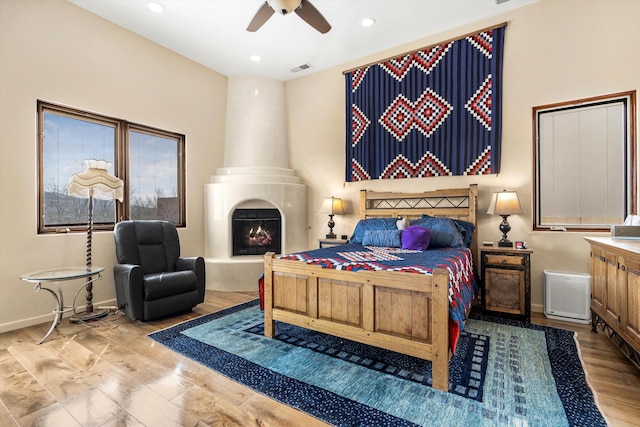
(58, 310)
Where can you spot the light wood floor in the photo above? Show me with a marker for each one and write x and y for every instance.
(112, 375)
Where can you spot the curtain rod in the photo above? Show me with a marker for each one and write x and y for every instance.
(493, 27)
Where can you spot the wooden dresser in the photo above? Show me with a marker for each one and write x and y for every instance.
(615, 291)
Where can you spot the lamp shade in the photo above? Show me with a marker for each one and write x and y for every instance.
(505, 203)
(332, 206)
(96, 181)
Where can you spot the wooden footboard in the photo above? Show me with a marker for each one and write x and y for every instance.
(403, 312)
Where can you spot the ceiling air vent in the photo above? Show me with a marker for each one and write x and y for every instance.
(300, 68)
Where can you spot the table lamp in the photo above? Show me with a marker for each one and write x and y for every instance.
(94, 182)
(332, 206)
(505, 203)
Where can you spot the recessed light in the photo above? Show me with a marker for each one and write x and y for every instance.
(256, 58)
(155, 7)
(367, 22)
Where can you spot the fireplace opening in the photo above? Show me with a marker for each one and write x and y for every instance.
(256, 231)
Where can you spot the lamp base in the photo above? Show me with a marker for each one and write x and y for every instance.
(505, 228)
(331, 224)
(88, 316)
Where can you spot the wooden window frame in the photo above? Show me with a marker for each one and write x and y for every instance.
(629, 139)
(121, 169)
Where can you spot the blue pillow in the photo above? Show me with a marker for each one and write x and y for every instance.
(465, 228)
(444, 232)
(416, 237)
(386, 238)
(372, 224)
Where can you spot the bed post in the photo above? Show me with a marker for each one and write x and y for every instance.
(473, 211)
(440, 329)
(269, 323)
(363, 204)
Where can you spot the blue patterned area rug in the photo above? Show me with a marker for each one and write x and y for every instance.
(504, 373)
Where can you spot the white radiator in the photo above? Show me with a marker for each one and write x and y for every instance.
(567, 296)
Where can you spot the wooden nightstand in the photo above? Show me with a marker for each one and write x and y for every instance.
(506, 282)
(326, 243)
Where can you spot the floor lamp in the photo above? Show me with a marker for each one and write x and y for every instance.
(94, 182)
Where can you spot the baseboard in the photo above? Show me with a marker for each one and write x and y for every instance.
(537, 308)
(46, 318)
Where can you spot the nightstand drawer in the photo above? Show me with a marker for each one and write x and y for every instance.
(495, 259)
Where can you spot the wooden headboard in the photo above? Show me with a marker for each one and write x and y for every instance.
(457, 203)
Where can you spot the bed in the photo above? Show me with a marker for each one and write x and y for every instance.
(396, 310)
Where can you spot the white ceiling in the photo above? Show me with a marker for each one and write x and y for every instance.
(213, 32)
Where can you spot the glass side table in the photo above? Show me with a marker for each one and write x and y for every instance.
(55, 276)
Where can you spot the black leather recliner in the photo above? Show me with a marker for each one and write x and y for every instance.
(152, 281)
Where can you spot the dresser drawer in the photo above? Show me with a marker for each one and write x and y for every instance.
(497, 259)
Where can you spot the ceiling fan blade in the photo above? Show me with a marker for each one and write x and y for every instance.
(312, 16)
(262, 15)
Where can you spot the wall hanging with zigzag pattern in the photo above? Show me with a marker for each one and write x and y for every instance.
(434, 112)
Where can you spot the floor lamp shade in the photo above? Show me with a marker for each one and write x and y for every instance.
(94, 182)
(505, 203)
(332, 206)
(97, 182)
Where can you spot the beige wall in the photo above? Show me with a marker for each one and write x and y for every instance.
(555, 50)
(55, 51)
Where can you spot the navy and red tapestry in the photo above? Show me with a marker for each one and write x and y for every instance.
(435, 112)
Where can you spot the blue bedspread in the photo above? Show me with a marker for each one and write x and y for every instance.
(463, 285)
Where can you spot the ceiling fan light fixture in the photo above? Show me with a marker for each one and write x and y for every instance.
(284, 7)
(303, 8)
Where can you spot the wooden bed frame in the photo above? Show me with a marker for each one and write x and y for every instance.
(403, 312)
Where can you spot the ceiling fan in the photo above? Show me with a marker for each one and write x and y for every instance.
(303, 8)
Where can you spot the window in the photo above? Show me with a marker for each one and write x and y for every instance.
(585, 163)
(149, 161)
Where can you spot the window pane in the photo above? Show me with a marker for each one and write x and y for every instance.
(67, 143)
(153, 176)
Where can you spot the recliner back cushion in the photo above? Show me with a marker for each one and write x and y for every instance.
(154, 245)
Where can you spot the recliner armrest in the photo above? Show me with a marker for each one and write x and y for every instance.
(195, 264)
(129, 289)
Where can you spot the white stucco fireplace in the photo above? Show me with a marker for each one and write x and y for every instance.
(255, 176)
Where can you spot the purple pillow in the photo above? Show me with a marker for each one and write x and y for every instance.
(416, 237)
